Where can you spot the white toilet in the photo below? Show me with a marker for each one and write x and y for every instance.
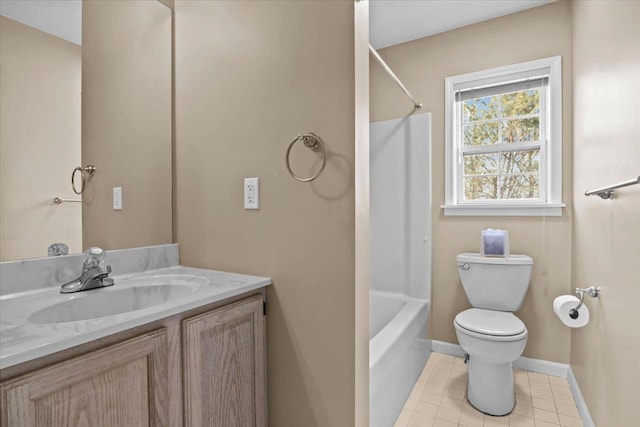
(490, 333)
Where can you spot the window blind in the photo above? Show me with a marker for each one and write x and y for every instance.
(516, 86)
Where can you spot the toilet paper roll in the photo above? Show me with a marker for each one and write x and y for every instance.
(563, 304)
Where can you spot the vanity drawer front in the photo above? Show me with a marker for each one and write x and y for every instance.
(224, 366)
(124, 384)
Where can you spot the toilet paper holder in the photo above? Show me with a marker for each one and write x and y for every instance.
(592, 291)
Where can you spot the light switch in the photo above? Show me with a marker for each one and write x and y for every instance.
(117, 198)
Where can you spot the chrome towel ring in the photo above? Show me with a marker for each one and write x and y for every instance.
(89, 169)
(313, 141)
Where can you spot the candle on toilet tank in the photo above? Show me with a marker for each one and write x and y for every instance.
(494, 243)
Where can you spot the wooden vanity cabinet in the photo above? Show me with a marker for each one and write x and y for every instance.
(122, 385)
(136, 382)
(224, 366)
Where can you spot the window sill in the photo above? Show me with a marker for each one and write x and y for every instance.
(549, 209)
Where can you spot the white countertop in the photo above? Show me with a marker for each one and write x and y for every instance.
(22, 339)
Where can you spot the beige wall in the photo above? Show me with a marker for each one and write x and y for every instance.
(39, 141)
(423, 65)
(249, 77)
(606, 238)
(126, 122)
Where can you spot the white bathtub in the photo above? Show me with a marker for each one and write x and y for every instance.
(398, 351)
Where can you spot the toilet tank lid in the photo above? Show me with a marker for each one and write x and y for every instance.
(512, 259)
(490, 322)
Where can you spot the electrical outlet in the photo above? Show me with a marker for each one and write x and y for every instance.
(117, 198)
(251, 193)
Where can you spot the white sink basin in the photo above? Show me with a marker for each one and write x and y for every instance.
(125, 296)
(39, 322)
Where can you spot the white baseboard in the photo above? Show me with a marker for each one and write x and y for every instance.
(525, 363)
(580, 402)
(447, 348)
(542, 366)
(534, 365)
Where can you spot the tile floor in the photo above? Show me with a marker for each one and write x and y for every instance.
(438, 399)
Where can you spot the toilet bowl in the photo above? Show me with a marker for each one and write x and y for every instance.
(493, 340)
(490, 333)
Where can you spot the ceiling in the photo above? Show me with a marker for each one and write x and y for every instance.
(61, 18)
(391, 21)
(397, 21)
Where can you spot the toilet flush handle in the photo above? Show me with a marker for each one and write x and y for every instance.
(465, 266)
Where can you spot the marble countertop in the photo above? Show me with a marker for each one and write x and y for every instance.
(24, 336)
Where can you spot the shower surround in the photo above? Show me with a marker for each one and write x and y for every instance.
(400, 261)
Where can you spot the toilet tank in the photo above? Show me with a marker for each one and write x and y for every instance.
(495, 283)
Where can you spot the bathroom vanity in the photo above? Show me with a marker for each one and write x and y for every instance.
(169, 347)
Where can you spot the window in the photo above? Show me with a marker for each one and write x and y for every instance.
(504, 141)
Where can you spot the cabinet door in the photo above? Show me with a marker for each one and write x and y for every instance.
(224, 366)
(121, 385)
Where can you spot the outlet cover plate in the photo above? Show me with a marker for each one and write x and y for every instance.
(252, 193)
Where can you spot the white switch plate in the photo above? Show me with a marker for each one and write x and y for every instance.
(117, 198)
(252, 193)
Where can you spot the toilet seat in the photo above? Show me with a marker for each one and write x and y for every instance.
(491, 324)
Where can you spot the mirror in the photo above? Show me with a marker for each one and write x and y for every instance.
(84, 83)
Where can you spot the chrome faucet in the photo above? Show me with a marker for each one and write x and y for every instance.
(94, 273)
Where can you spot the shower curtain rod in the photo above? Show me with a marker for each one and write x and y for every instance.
(416, 104)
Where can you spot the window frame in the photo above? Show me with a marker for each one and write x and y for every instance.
(550, 201)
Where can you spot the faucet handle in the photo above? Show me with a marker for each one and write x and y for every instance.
(93, 257)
